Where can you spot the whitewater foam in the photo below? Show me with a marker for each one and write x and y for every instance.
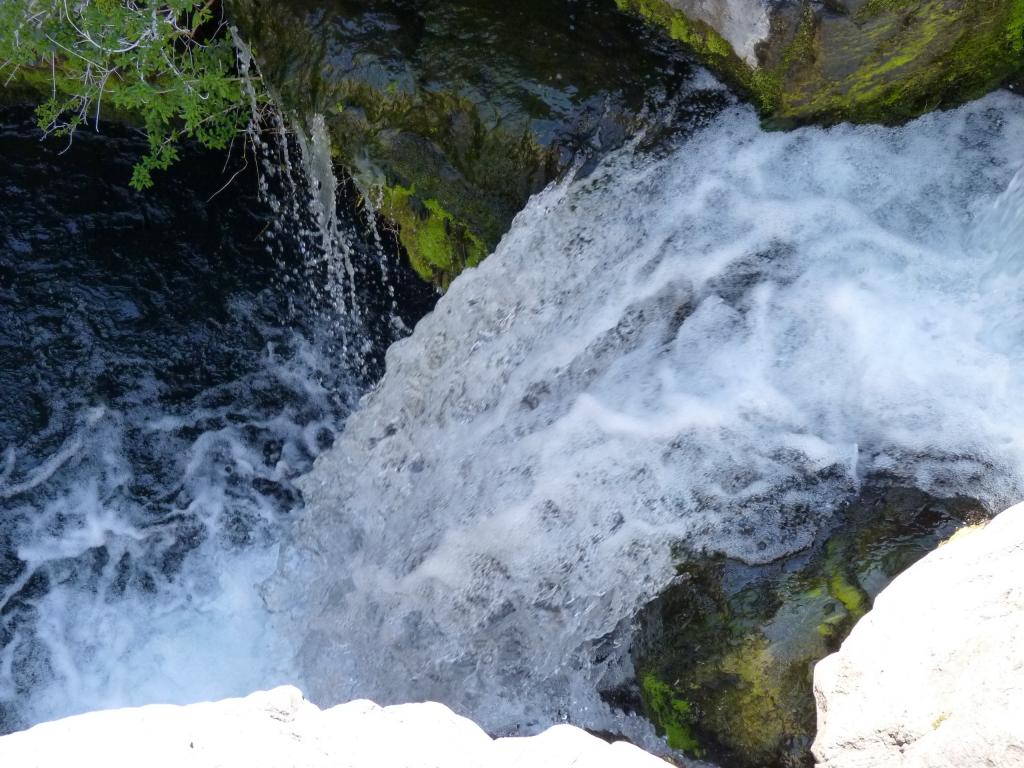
(709, 349)
(130, 595)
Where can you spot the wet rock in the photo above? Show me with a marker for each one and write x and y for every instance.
(934, 674)
(859, 60)
(452, 114)
(726, 655)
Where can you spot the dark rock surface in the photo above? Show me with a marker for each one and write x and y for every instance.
(827, 61)
(454, 113)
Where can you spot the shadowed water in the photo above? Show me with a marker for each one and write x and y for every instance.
(168, 369)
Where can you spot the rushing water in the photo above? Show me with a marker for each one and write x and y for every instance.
(170, 364)
(708, 347)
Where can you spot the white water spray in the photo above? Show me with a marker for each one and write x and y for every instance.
(335, 241)
(712, 348)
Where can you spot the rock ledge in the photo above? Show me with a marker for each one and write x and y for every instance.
(280, 729)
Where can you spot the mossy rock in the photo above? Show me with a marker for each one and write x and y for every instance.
(454, 113)
(882, 61)
(438, 245)
(726, 655)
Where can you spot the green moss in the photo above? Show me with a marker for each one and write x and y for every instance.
(437, 142)
(923, 56)
(751, 711)
(852, 597)
(672, 714)
(438, 244)
(1015, 28)
(741, 693)
(801, 51)
(450, 185)
(731, 670)
(874, 8)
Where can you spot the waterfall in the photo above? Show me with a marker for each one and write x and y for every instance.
(304, 195)
(335, 240)
(704, 350)
(160, 395)
(704, 347)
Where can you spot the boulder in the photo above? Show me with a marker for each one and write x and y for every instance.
(452, 114)
(827, 61)
(934, 674)
(280, 729)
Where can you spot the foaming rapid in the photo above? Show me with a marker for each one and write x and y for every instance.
(708, 349)
(126, 596)
(157, 398)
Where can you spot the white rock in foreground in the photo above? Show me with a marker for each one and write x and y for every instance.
(934, 674)
(279, 729)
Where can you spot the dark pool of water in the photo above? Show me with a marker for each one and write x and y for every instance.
(165, 372)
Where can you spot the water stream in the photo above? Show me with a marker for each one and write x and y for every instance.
(706, 345)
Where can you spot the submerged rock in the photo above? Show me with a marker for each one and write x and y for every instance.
(859, 60)
(934, 674)
(728, 651)
(279, 729)
(452, 114)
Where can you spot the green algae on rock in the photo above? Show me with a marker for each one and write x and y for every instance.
(851, 60)
(438, 245)
(726, 655)
(454, 113)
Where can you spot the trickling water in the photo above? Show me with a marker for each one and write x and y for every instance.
(335, 241)
(304, 197)
(711, 347)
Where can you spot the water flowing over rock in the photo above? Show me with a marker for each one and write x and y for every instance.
(279, 729)
(711, 346)
(934, 674)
